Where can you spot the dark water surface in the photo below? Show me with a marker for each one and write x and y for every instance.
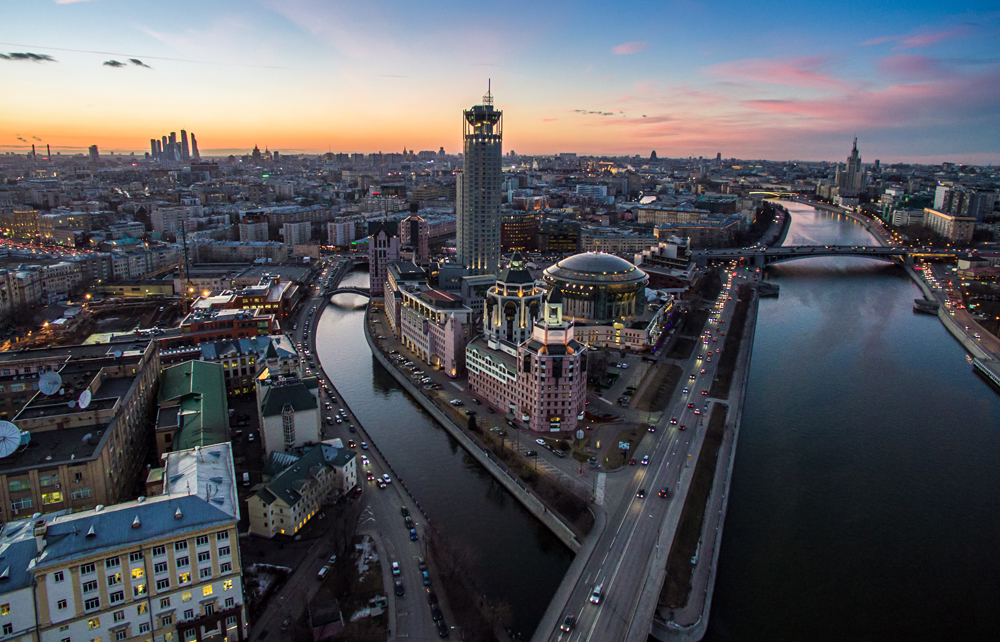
(515, 558)
(865, 502)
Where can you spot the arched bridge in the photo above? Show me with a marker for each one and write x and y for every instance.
(761, 257)
(351, 289)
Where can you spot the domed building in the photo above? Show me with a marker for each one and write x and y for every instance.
(512, 305)
(598, 288)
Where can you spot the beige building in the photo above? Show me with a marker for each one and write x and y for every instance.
(164, 567)
(75, 458)
(954, 228)
(287, 502)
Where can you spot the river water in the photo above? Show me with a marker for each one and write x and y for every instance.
(514, 557)
(865, 500)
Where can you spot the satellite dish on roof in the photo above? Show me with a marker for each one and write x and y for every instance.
(118, 354)
(49, 383)
(84, 400)
(10, 438)
(72, 403)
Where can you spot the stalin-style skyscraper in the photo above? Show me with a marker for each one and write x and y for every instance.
(478, 189)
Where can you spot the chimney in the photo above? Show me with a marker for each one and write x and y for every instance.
(39, 530)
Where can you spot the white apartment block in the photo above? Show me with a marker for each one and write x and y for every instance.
(164, 568)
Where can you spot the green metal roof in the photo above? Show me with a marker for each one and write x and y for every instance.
(199, 388)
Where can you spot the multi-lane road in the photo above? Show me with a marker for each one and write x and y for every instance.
(637, 527)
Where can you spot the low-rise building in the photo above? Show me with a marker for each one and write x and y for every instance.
(289, 412)
(165, 567)
(288, 501)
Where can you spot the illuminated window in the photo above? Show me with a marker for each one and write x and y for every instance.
(186, 597)
(52, 498)
(94, 623)
(228, 584)
(137, 573)
(4, 609)
(142, 608)
(206, 590)
(183, 578)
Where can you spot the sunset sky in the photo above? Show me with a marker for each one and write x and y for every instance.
(915, 81)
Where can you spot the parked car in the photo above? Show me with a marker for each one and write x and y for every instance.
(426, 578)
(395, 568)
(322, 572)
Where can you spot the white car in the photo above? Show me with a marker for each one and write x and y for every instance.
(386, 478)
(595, 597)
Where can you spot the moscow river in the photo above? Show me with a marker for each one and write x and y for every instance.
(864, 497)
(514, 557)
(864, 502)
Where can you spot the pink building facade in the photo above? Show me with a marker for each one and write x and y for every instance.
(541, 382)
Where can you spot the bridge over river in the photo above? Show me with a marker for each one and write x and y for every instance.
(762, 257)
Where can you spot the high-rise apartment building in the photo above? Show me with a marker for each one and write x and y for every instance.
(413, 233)
(94, 155)
(479, 189)
(194, 148)
(185, 152)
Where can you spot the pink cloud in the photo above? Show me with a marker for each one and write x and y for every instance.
(919, 40)
(549, 120)
(795, 72)
(629, 47)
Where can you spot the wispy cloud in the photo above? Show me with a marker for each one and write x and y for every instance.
(27, 57)
(113, 63)
(138, 63)
(803, 71)
(629, 48)
(921, 39)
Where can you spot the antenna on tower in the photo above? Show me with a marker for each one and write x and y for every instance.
(488, 98)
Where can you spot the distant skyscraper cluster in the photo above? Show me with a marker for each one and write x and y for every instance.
(168, 148)
(477, 219)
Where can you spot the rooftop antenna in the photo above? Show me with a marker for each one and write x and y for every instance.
(488, 98)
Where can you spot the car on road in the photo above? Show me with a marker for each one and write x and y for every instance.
(442, 629)
(456, 402)
(567, 623)
(632, 462)
(365, 461)
(697, 412)
(436, 613)
(704, 392)
(395, 568)
(663, 492)
(322, 572)
(386, 478)
(645, 460)
(531, 453)
(432, 597)
(381, 484)
(404, 511)
(595, 595)
(686, 390)
(652, 428)
(413, 535)
(399, 588)
(422, 564)
(426, 578)
(641, 493)
(364, 445)
(287, 622)
(541, 442)
(673, 421)
(690, 405)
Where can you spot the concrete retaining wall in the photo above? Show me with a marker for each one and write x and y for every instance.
(508, 480)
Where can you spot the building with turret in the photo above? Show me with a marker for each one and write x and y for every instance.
(542, 381)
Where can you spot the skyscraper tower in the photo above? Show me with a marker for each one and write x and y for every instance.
(852, 181)
(194, 148)
(152, 148)
(185, 152)
(479, 190)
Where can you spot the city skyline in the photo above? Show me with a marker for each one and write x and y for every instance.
(914, 82)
